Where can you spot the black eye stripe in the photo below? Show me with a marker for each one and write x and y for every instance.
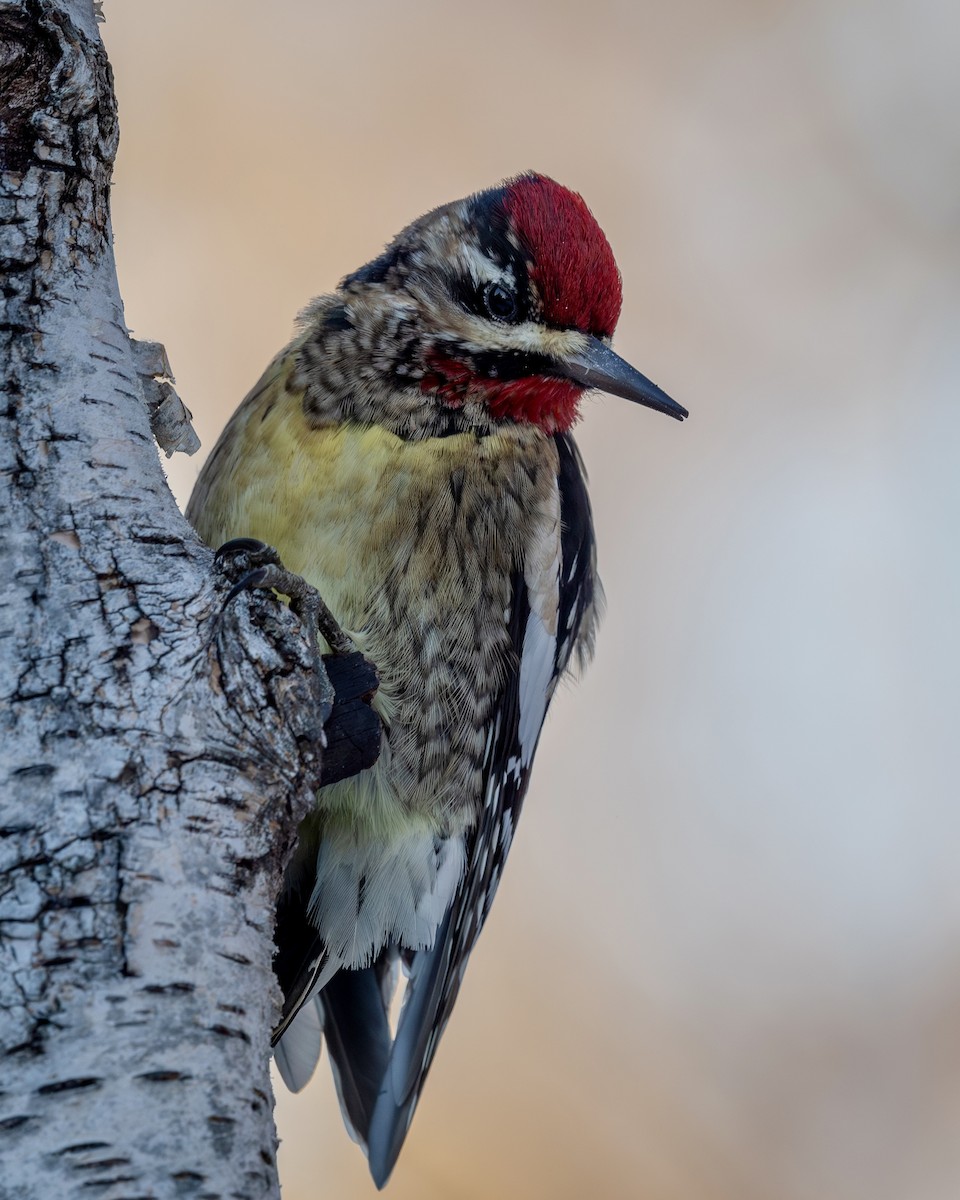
(512, 364)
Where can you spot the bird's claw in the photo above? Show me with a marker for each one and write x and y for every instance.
(262, 568)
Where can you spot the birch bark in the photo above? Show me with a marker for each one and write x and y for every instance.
(157, 749)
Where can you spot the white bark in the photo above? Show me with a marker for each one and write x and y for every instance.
(156, 751)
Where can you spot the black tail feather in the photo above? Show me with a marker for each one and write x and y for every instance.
(358, 1040)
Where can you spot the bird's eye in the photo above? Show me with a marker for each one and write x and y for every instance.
(500, 301)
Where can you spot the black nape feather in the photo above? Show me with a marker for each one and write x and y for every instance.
(336, 320)
(377, 270)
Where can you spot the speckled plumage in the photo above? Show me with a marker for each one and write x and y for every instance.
(409, 455)
(413, 544)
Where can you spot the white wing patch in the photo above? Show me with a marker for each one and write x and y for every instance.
(536, 676)
(539, 653)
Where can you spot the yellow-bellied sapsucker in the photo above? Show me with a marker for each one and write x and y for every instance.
(409, 454)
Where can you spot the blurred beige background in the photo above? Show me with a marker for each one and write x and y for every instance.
(725, 961)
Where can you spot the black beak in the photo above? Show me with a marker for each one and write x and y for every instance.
(598, 367)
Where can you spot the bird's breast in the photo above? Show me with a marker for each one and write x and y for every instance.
(415, 546)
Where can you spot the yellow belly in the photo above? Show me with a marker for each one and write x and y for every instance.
(413, 546)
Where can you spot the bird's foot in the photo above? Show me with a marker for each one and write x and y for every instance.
(353, 729)
(258, 566)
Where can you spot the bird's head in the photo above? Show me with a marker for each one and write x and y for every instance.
(491, 310)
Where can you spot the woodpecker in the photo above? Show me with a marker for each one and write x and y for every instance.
(409, 454)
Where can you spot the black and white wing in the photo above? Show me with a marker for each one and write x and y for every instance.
(553, 613)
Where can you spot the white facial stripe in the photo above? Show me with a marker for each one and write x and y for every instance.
(482, 269)
(527, 338)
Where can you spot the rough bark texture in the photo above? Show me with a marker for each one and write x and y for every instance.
(156, 749)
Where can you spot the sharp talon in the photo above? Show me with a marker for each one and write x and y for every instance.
(252, 579)
(264, 569)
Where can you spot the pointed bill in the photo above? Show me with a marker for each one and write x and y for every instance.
(596, 366)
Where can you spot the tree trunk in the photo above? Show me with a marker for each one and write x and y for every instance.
(158, 747)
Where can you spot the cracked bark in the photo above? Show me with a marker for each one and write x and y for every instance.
(156, 750)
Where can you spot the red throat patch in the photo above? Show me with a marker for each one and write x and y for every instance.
(551, 404)
(571, 263)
